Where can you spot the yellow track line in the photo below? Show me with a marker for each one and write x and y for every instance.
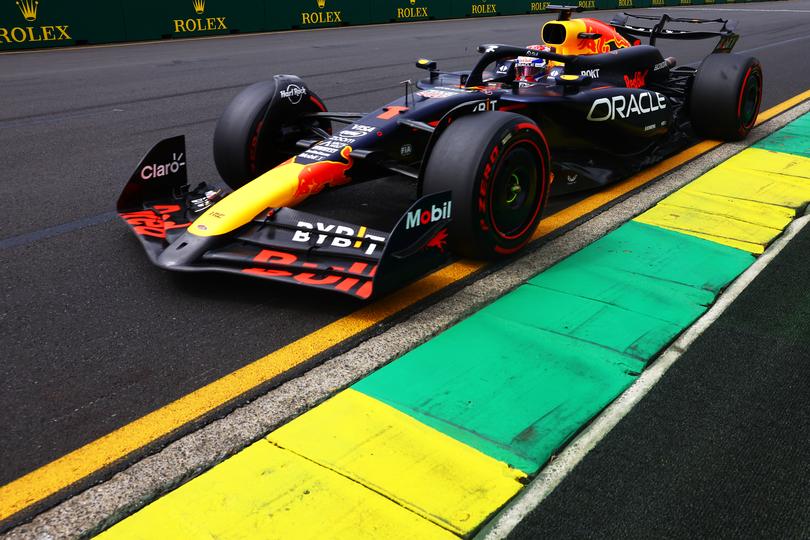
(73, 467)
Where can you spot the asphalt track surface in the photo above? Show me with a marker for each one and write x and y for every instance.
(93, 336)
(719, 448)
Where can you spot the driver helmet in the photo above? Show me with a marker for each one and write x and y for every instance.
(530, 69)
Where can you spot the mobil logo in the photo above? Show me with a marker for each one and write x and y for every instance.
(420, 217)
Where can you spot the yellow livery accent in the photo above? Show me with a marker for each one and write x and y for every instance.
(273, 189)
(422, 469)
(267, 492)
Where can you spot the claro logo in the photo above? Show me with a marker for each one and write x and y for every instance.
(155, 170)
(604, 109)
(32, 34)
(420, 217)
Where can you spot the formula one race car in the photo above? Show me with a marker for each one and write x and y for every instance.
(484, 146)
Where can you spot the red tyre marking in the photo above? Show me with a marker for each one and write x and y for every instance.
(539, 205)
(318, 104)
(740, 100)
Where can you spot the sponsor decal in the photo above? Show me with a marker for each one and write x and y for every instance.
(625, 3)
(293, 93)
(659, 66)
(344, 139)
(608, 41)
(321, 16)
(571, 179)
(316, 176)
(636, 105)
(658, 3)
(339, 236)
(483, 9)
(412, 12)
(199, 24)
(686, 2)
(439, 241)
(155, 170)
(154, 223)
(406, 150)
(488, 105)
(592, 73)
(316, 274)
(29, 11)
(638, 81)
(419, 217)
(587, 4)
(536, 7)
(436, 94)
(555, 73)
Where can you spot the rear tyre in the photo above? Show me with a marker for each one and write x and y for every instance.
(497, 166)
(259, 128)
(725, 97)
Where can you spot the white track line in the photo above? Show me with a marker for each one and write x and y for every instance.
(554, 473)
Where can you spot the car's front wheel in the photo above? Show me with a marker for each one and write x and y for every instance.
(259, 128)
(497, 166)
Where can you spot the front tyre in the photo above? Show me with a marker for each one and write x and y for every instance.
(497, 166)
(725, 97)
(259, 128)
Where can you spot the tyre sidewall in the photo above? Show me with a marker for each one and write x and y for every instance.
(466, 160)
(246, 139)
(717, 94)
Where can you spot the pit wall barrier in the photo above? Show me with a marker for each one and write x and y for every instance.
(26, 24)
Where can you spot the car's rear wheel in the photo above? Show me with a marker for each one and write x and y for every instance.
(725, 97)
(259, 128)
(497, 166)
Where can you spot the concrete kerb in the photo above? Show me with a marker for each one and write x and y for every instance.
(102, 505)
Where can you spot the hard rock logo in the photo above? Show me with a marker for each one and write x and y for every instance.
(199, 24)
(321, 17)
(33, 34)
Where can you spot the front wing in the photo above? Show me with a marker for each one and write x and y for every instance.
(284, 244)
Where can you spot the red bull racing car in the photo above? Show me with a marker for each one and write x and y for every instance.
(589, 106)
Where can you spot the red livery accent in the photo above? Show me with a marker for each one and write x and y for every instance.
(316, 176)
(439, 241)
(154, 223)
(638, 80)
(324, 277)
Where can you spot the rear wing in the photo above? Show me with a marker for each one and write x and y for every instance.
(726, 33)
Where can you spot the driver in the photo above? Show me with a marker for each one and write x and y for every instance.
(529, 69)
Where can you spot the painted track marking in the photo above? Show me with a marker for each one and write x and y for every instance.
(73, 467)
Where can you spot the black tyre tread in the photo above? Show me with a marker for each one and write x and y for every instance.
(713, 100)
(235, 129)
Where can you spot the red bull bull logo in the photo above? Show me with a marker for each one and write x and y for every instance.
(316, 176)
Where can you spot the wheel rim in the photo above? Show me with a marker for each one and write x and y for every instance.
(515, 194)
(749, 100)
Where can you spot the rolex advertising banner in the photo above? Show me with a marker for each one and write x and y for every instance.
(411, 10)
(155, 19)
(482, 8)
(322, 13)
(50, 23)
